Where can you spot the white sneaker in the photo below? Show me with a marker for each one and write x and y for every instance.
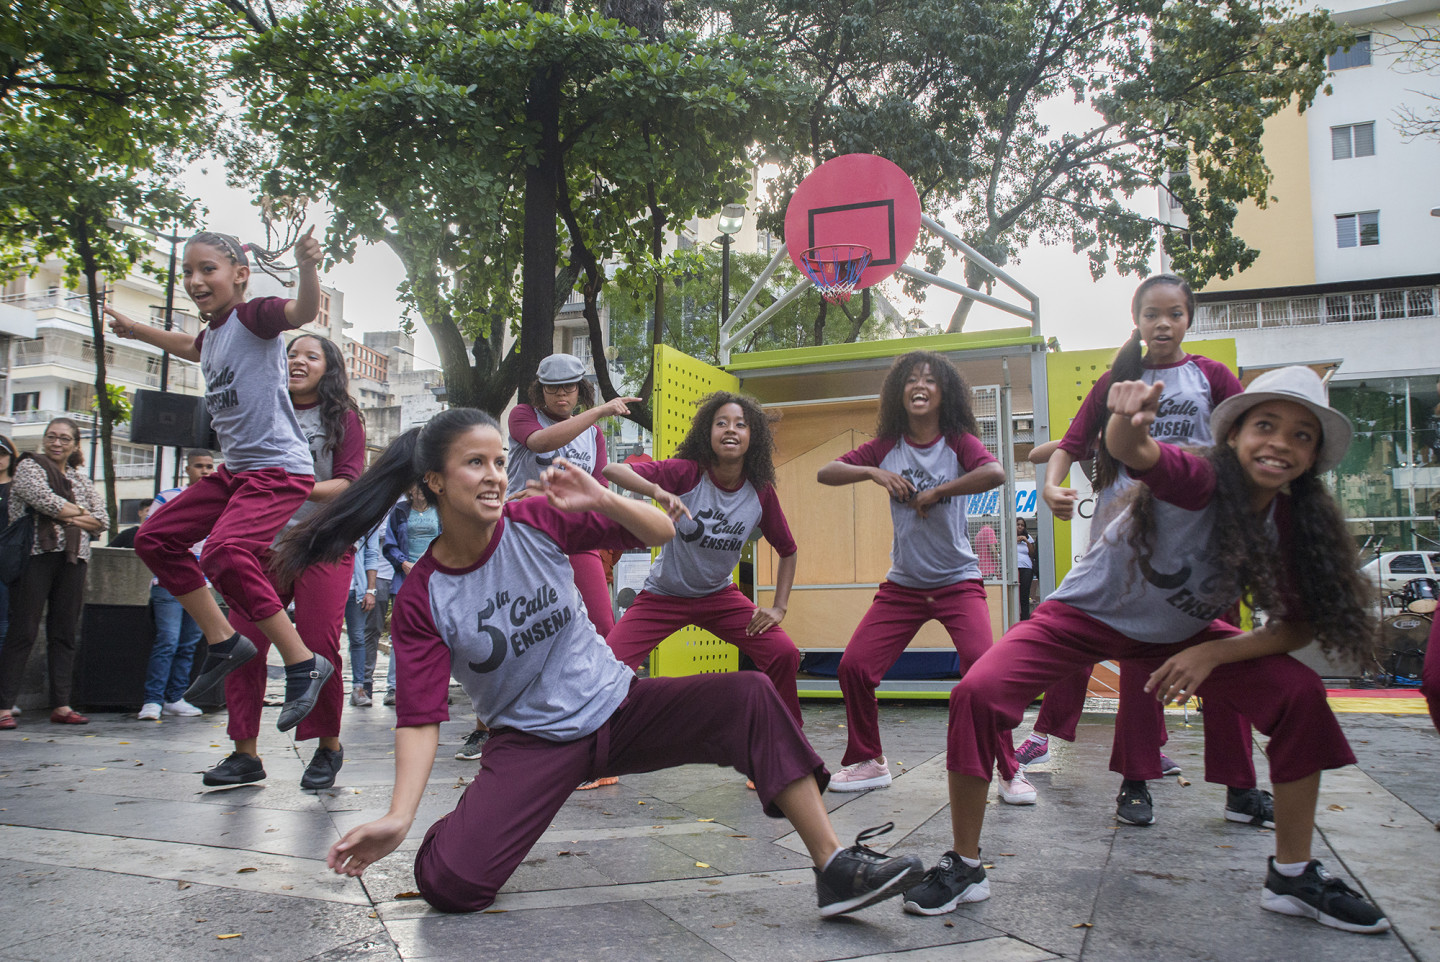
(150, 711)
(1018, 791)
(857, 778)
(182, 708)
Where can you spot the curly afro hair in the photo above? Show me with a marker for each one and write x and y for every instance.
(956, 415)
(759, 459)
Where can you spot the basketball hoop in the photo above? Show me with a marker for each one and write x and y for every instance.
(835, 269)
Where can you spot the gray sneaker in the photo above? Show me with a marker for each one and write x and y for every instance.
(217, 666)
(859, 876)
(1253, 806)
(1318, 895)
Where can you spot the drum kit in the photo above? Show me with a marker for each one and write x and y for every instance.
(1401, 651)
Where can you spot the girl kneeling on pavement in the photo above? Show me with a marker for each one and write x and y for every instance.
(493, 602)
(1248, 516)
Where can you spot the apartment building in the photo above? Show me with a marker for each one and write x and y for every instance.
(1348, 279)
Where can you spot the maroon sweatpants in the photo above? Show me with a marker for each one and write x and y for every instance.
(1430, 674)
(895, 615)
(320, 594)
(590, 579)
(237, 516)
(725, 614)
(732, 720)
(1140, 730)
(1279, 695)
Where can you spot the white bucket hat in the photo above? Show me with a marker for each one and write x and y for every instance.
(1299, 385)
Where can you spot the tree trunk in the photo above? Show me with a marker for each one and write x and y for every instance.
(856, 323)
(818, 332)
(962, 311)
(543, 182)
(95, 297)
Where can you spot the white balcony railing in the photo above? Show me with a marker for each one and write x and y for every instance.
(1358, 307)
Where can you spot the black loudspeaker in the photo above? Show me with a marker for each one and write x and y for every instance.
(170, 420)
(114, 655)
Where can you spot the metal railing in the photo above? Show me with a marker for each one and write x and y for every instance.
(1364, 306)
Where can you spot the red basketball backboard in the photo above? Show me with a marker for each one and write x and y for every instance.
(856, 199)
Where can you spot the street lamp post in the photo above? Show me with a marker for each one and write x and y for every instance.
(174, 240)
(732, 218)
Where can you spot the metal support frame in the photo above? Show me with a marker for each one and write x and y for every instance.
(730, 337)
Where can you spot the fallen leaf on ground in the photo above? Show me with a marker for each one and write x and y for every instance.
(704, 819)
(287, 887)
(949, 925)
(702, 865)
(230, 935)
(182, 885)
(1183, 781)
(722, 925)
(1083, 925)
(1008, 854)
(246, 869)
(1335, 808)
(407, 895)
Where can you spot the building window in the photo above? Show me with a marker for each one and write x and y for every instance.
(1356, 55)
(1355, 140)
(29, 401)
(1358, 230)
(580, 346)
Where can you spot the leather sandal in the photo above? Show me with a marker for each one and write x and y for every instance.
(69, 718)
(7, 723)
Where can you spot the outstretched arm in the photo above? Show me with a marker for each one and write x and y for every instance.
(366, 844)
(838, 472)
(306, 305)
(179, 343)
(1133, 406)
(570, 489)
(629, 479)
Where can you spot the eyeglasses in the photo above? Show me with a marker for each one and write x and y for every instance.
(561, 388)
(60, 437)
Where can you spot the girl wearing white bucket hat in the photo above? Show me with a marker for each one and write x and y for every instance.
(1247, 517)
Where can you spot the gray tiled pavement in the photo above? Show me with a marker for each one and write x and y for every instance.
(110, 849)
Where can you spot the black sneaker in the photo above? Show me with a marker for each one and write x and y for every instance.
(470, 751)
(217, 666)
(946, 886)
(1133, 804)
(321, 771)
(859, 876)
(237, 769)
(295, 710)
(1252, 805)
(1318, 895)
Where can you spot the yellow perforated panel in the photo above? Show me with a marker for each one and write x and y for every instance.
(680, 382)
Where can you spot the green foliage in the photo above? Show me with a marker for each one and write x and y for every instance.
(99, 105)
(416, 126)
(958, 94)
(120, 405)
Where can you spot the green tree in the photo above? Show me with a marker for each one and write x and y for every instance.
(956, 93)
(503, 153)
(99, 103)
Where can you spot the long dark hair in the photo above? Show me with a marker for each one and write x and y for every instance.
(956, 414)
(759, 464)
(1129, 364)
(1324, 573)
(535, 394)
(327, 534)
(238, 253)
(334, 389)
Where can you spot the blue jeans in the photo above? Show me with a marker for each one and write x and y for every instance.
(176, 635)
(362, 663)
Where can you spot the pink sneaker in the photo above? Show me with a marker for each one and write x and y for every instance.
(1033, 751)
(857, 778)
(1018, 791)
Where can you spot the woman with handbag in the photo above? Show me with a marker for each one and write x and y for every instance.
(67, 512)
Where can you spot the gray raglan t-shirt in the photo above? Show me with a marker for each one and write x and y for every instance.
(706, 547)
(247, 389)
(934, 551)
(512, 629)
